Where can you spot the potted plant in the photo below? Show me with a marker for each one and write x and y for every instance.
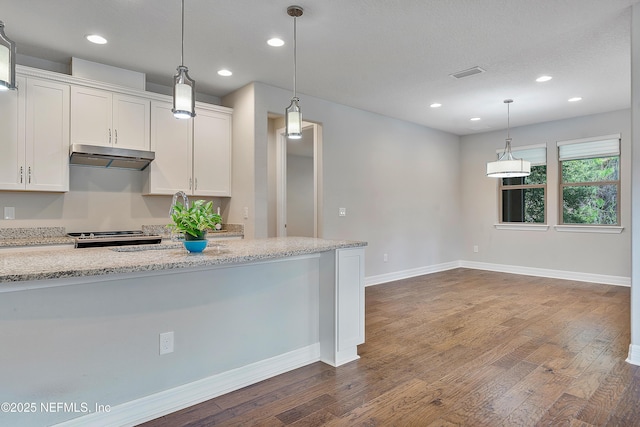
(194, 221)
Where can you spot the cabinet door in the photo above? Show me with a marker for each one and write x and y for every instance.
(350, 298)
(91, 116)
(171, 141)
(12, 171)
(131, 122)
(212, 153)
(47, 136)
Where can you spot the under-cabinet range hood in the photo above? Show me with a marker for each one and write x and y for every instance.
(109, 157)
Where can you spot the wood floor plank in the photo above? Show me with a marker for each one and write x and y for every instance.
(606, 397)
(459, 348)
(562, 412)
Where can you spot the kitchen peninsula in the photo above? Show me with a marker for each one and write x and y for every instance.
(84, 326)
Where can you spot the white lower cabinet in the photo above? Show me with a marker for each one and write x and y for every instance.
(192, 155)
(350, 298)
(34, 155)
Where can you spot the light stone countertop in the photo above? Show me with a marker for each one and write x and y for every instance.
(29, 264)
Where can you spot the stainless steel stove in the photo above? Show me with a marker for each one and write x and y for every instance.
(94, 239)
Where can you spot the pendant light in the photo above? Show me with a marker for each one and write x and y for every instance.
(7, 61)
(293, 116)
(508, 166)
(184, 87)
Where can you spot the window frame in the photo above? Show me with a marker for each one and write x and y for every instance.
(502, 187)
(562, 185)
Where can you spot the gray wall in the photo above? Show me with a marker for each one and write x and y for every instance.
(398, 181)
(299, 196)
(607, 254)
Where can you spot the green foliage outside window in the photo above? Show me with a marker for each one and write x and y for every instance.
(590, 191)
(523, 198)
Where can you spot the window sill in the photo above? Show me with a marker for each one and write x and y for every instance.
(521, 227)
(606, 229)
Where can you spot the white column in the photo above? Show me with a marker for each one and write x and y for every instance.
(634, 346)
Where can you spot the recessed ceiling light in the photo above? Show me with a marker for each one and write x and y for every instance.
(275, 42)
(225, 73)
(543, 79)
(474, 119)
(575, 99)
(435, 105)
(95, 38)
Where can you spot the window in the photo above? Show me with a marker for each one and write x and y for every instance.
(523, 199)
(590, 181)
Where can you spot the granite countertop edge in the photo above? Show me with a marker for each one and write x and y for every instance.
(59, 263)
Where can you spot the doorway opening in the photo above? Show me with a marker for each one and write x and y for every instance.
(298, 188)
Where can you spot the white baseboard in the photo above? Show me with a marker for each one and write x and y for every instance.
(405, 274)
(553, 274)
(501, 268)
(634, 354)
(156, 405)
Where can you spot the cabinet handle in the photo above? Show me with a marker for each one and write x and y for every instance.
(109, 136)
(116, 132)
(190, 183)
(21, 174)
(29, 175)
(196, 184)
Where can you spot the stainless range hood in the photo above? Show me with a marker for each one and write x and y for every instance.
(109, 157)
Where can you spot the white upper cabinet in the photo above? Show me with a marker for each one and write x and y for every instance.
(109, 119)
(35, 150)
(192, 155)
(212, 153)
(171, 141)
(12, 137)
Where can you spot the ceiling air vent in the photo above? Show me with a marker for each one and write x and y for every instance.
(467, 73)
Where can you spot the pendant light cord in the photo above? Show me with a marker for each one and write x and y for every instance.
(182, 50)
(294, 55)
(508, 120)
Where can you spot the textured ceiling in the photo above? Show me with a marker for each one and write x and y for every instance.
(392, 57)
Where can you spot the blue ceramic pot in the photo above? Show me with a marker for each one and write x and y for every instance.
(195, 245)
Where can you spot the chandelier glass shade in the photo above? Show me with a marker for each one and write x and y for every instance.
(508, 166)
(7, 61)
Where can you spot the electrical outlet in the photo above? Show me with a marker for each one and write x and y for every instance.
(342, 212)
(9, 212)
(245, 212)
(475, 249)
(385, 257)
(166, 343)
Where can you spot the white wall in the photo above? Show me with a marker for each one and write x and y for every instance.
(243, 159)
(398, 181)
(605, 254)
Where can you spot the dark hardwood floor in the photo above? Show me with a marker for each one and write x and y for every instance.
(460, 348)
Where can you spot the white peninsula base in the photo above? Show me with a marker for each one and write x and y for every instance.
(92, 343)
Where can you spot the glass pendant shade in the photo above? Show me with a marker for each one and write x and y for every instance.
(7, 61)
(293, 115)
(184, 87)
(184, 102)
(293, 120)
